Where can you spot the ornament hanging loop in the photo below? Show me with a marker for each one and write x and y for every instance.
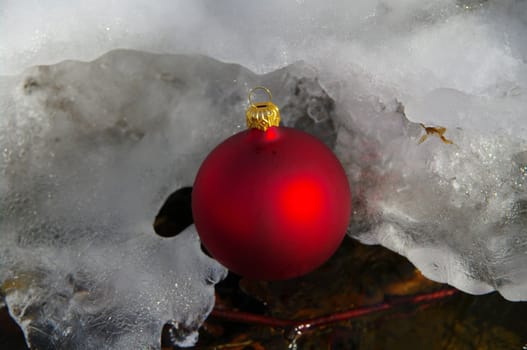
(262, 115)
(254, 89)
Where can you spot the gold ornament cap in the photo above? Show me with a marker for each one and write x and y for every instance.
(262, 115)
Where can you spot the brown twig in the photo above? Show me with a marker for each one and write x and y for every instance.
(245, 317)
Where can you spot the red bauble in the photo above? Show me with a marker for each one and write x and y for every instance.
(271, 204)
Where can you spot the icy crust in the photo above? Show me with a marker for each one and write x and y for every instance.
(457, 208)
(90, 153)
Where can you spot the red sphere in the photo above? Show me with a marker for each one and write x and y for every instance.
(271, 205)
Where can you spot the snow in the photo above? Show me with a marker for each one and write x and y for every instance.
(91, 150)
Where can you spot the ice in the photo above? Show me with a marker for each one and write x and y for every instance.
(453, 108)
(90, 151)
(457, 211)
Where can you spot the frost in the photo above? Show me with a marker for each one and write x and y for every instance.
(91, 151)
(457, 211)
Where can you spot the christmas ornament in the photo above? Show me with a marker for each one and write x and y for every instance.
(271, 202)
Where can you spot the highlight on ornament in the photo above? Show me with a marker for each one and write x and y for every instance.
(271, 202)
